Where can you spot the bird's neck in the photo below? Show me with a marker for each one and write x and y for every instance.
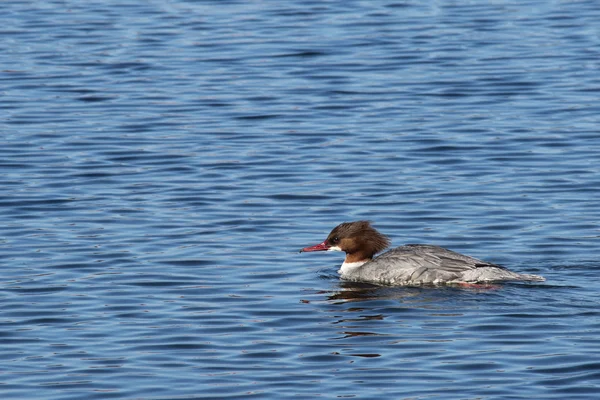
(357, 257)
(352, 262)
(348, 268)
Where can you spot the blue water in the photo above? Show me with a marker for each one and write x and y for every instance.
(161, 163)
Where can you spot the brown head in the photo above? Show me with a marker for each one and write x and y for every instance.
(359, 240)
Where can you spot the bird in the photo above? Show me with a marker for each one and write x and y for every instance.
(410, 264)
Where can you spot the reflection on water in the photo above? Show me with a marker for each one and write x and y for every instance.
(416, 296)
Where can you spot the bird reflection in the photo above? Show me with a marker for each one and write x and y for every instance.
(358, 291)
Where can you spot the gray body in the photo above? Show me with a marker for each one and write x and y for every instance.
(417, 264)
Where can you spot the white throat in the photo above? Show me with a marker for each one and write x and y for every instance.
(348, 268)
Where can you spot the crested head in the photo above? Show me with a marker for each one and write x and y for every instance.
(358, 239)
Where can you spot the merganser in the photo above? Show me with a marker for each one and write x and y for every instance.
(411, 264)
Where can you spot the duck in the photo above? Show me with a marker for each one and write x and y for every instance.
(410, 264)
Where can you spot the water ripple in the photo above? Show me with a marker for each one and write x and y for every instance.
(162, 163)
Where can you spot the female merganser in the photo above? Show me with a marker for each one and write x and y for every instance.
(412, 264)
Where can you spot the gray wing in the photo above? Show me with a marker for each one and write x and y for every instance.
(441, 258)
(420, 263)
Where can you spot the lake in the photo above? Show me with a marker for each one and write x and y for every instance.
(162, 162)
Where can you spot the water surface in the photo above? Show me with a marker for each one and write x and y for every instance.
(162, 162)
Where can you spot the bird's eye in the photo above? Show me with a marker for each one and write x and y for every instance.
(335, 240)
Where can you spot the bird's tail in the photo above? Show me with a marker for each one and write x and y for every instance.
(532, 278)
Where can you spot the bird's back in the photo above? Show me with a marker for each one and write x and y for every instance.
(422, 264)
